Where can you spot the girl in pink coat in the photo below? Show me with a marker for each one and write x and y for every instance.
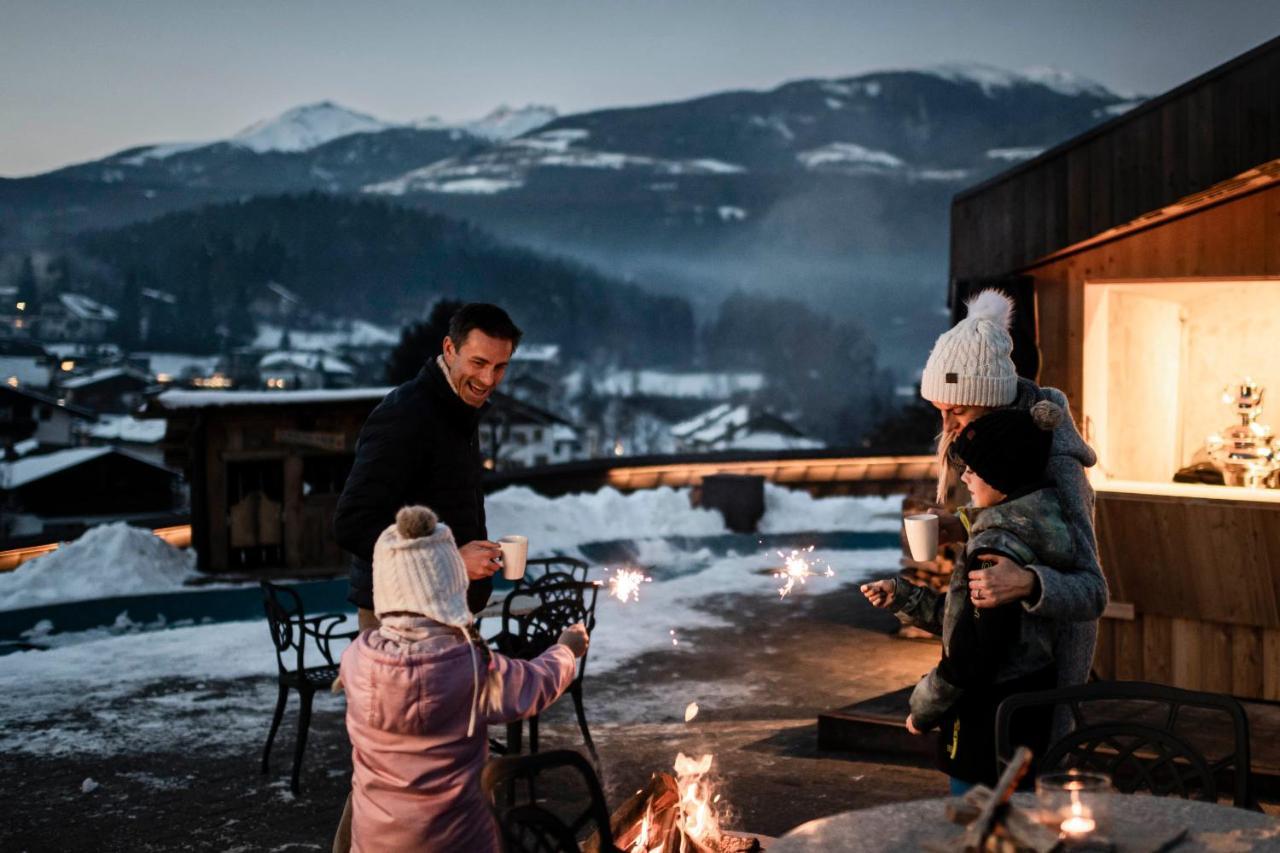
(422, 690)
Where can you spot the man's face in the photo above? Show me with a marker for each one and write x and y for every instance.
(956, 417)
(476, 367)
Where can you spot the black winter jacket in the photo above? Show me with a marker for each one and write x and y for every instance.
(421, 445)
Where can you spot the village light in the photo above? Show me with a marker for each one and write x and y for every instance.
(68, 365)
(164, 378)
(12, 381)
(22, 306)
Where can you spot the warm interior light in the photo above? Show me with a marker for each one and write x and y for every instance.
(22, 306)
(67, 365)
(12, 381)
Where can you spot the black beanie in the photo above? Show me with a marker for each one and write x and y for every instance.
(1009, 448)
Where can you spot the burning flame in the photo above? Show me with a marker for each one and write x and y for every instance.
(697, 818)
(797, 567)
(690, 712)
(1079, 823)
(625, 584)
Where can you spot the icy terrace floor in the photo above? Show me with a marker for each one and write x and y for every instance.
(151, 741)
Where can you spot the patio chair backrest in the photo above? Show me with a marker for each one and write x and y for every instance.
(529, 633)
(531, 824)
(558, 568)
(291, 627)
(1147, 737)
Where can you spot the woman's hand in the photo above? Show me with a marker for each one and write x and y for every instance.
(576, 638)
(1001, 582)
(911, 725)
(879, 593)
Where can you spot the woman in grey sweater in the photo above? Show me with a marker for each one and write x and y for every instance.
(970, 372)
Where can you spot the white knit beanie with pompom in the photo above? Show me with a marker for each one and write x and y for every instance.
(417, 569)
(971, 363)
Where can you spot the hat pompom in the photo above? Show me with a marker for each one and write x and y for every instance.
(994, 306)
(1046, 415)
(414, 522)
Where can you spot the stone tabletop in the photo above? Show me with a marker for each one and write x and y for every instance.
(905, 826)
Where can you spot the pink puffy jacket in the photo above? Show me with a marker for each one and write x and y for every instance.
(416, 783)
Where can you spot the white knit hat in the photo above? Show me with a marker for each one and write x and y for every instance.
(417, 569)
(971, 363)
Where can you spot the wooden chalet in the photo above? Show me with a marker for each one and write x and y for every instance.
(1144, 257)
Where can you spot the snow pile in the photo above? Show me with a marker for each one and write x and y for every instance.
(790, 511)
(306, 127)
(560, 524)
(108, 560)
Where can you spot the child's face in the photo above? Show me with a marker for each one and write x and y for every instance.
(983, 493)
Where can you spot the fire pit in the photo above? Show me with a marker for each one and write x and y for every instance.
(676, 814)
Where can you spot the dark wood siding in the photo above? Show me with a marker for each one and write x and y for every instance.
(1209, 130)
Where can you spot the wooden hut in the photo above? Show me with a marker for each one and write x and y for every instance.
(265, 470)
(1144, 257)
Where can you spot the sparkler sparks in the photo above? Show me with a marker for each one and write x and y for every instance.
(625, 584)
(797, 568)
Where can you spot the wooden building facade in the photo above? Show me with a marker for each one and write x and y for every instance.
(1144, 258)
(265, 470)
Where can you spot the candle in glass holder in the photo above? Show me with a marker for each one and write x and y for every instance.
(1070, 801)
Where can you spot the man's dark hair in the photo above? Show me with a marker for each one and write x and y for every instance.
(490, 319)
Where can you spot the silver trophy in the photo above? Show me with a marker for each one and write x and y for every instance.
(1246, 453)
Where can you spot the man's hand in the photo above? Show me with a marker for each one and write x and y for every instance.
(480, 558)
(576, 638)
(911, 725)
(950, 528)
(1001, 582)
(879, 593)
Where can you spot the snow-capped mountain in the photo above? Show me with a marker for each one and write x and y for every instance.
(506, 123)
(836, 188)
(306, 127)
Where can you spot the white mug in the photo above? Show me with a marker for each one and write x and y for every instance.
(515, 550)
(922, 536)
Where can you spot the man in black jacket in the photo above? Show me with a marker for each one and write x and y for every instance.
(421, 445)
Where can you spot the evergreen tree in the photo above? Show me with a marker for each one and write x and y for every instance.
(420, 342)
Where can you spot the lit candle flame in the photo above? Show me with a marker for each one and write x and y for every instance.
(1079, 823)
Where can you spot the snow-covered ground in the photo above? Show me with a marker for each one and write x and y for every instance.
(133, 688)
(116, 559)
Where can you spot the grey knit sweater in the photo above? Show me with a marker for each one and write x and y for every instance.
(1074, 599)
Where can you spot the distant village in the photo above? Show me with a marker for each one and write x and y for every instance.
(94, 433)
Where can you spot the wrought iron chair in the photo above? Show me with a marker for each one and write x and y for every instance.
(527, 633)
(1130, 730)
(565, 568)
(290, 628)
(529, 824)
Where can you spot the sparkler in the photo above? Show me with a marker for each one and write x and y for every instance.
(625, 584)
(797, 567)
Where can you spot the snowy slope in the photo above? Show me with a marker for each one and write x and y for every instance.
(506, 123)
(306, 127)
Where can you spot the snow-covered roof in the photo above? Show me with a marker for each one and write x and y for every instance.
(27, 445)
(127, 428)
(848, 156)
(179, 365)
(360, 333)
(728, 427)
(87, 309)
(160, 295)
(103, 375)
(661, 383)
(29, 469)
(283, 292)
(537, 353)
(304, 361)
(180, 399)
